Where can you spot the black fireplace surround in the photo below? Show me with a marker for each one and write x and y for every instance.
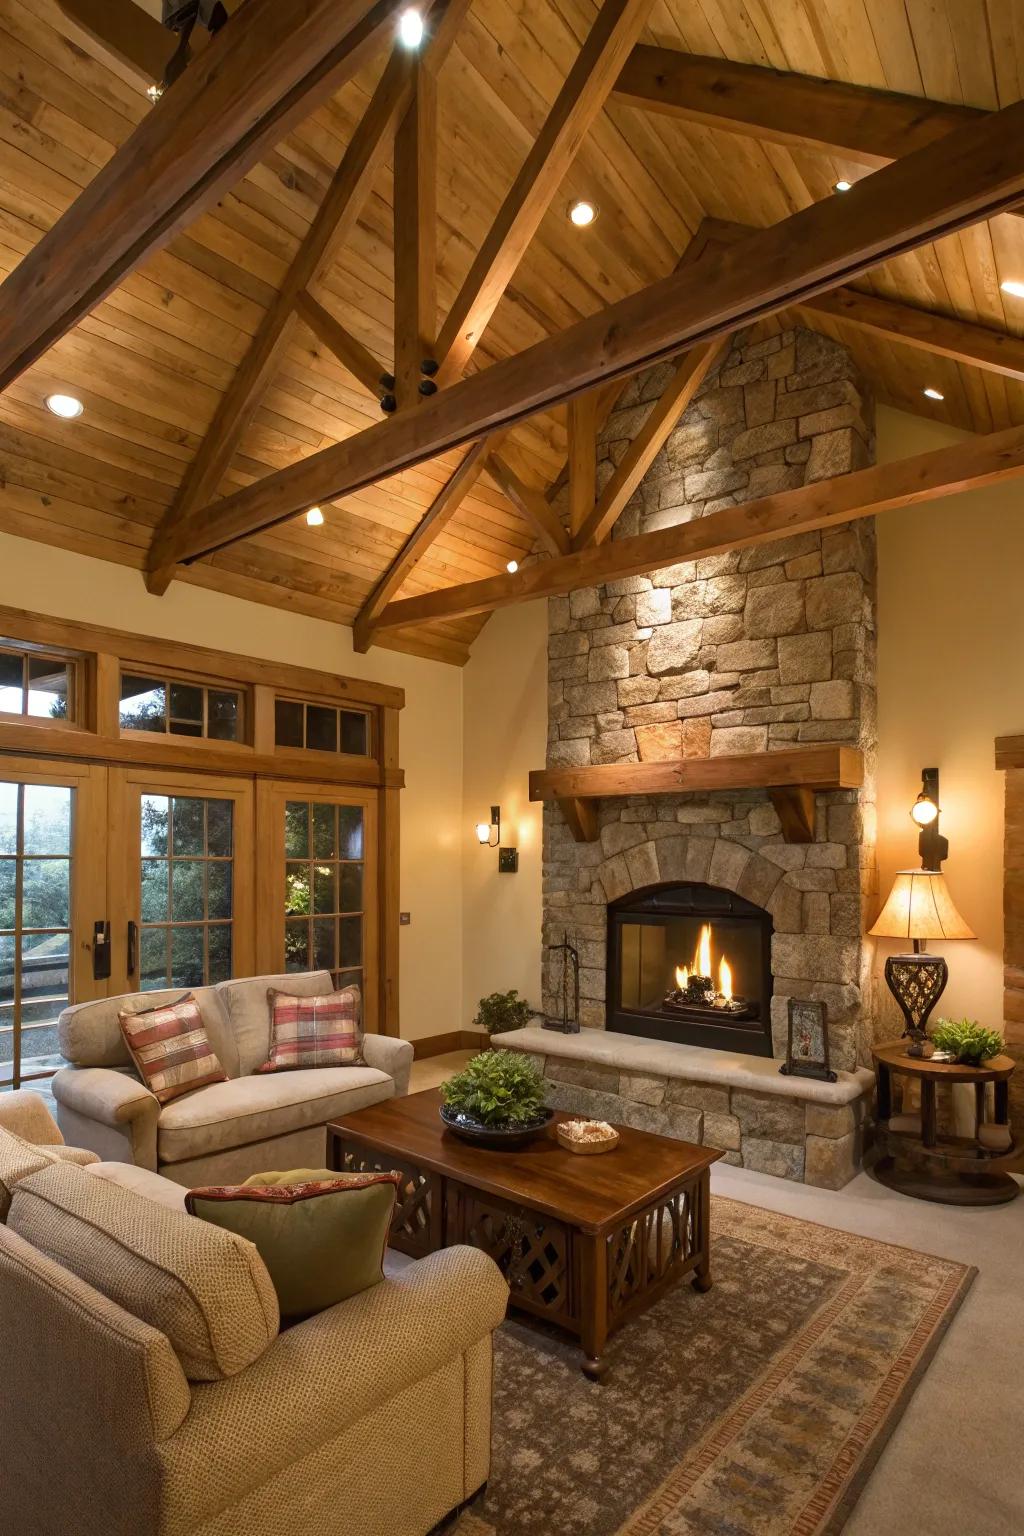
(653, 931)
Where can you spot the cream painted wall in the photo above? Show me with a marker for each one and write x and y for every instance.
(505, 735)
(54, 581)
(950, 679)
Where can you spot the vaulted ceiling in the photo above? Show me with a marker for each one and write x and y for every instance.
(153, 360)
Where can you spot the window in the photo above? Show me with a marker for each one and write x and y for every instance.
(323, 889)
(164, 706)
(187, 847)
(37, 684)
(35, 924)
(321, 727)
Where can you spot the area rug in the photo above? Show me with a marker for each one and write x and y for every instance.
(757, 1409)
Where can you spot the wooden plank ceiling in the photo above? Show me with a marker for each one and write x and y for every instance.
(154, 359)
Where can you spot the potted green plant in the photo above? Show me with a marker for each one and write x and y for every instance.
(503, 1011)
(496, 1101)
(966, 1040)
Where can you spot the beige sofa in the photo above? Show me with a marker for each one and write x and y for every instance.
(371, 1419)
(223, 1133)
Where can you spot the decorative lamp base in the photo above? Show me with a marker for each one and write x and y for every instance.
(916, 982)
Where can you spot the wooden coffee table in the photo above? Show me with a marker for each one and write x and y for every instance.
(584, 1242)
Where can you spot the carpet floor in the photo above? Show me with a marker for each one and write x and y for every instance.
(757, 1409)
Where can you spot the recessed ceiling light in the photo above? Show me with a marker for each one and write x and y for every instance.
(843, 186)
(582, 213)
(1016, 289)
(410, 28)
(934, 394)
(314, 517)
(64, 406)
(512, 567)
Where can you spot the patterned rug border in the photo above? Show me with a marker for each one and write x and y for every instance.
(834, 1499)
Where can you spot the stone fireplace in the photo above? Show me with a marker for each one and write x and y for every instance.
(748, 652)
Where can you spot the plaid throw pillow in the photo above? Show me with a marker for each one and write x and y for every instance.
(170, 1048)
(320, 1031)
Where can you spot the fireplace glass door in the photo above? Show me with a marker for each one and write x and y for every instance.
(691, 963)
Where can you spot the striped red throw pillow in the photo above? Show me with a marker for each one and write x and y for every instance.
(323, 1031)
(170, 1048)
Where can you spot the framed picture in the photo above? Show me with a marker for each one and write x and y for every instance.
(807, 1042)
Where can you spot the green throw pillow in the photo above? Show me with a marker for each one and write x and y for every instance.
(321, 1235)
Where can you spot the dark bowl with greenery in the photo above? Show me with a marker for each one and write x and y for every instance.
(968, 1042)
(496, 1101)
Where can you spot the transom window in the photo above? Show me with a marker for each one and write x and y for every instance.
(321, 727)
(36, 683)
(164, 706)
(323, 894)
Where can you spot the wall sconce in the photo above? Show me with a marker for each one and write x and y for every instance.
(925, 811)
(488, 835)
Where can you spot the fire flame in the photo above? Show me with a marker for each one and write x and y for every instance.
(702, 959)
(703, 965)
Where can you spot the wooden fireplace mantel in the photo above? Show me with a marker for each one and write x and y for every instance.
(792, 778)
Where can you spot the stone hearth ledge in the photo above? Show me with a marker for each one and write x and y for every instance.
(792, 1127)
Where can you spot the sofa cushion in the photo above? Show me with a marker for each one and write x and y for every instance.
(246, 1006)
(322, 1235)
(90, 1034)
(321, 1031)
(170, 1048)
(258, 1108)
(207, 1290)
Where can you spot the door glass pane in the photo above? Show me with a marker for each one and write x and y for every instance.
(186, 906)
(324, 880)
(35, 924)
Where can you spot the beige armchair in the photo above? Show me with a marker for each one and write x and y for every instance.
(371, 1419)
(27, 1115)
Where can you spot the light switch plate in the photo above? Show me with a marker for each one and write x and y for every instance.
(508, 861)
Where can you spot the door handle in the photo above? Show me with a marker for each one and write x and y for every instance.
(133, 945)
(100, 951)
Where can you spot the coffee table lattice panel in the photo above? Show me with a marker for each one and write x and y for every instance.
(531, 1250)
(655, 1244)
(411, 1227)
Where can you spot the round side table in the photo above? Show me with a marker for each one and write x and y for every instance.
(953, 1170)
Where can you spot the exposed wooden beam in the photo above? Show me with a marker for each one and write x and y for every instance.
(123, 36)
(689, 375)
(582, 819)
(926, 477)
(581, 98)
(351, 354)
(979, 346)
(440, 512)
(530, 503)
(858, 121)
(415, 253)
(265, 71)
(582, 460)
(967, 177)
(350, 187)
(795, 807)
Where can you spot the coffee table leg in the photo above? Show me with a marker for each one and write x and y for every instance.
(702, 1194)
(593, 1261)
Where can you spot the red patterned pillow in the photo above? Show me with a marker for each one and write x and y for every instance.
(324, 1031)
(170, 1048)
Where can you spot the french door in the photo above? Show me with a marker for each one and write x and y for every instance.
(317, 884)
(180, 885)
(54, 933)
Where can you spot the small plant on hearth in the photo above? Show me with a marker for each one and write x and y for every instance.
(497, 1088)
(503, 1011)
(966, 1040)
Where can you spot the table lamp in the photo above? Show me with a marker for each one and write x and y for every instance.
(919, 908)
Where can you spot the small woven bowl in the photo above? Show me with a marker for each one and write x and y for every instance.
(586, 1148)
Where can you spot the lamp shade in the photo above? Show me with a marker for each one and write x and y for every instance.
(920, 907)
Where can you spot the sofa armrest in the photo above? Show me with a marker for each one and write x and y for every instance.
(391, 1056)
(25, 1114)
(108, 1112)
(325, 1375)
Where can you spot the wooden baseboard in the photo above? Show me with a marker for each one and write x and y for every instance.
(455, 1040)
